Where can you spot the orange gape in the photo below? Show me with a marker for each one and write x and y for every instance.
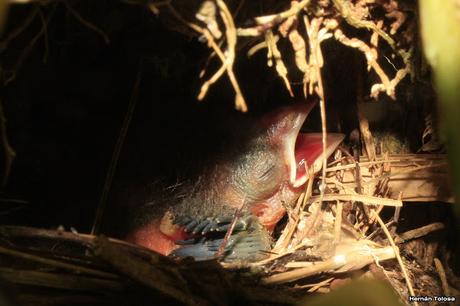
(266, 175)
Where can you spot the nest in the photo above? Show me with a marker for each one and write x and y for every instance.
(318, 249)
(344, 228)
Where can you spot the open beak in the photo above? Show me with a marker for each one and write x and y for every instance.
(300, 151)
(309, 154)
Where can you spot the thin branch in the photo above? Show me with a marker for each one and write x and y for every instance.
(398, 256)
(117, 150)
(87, 23)
(9, 152)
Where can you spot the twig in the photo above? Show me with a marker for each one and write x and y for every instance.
(343, 6)
(368, 200)
(9, 152)
(286, 236)
(45, 36)
(419, 232)
(411, 158)
(320, 284)
(398, 256)
(277, 256)
(160, 277)
(274, 54)
(338, 222)
(226, 58)
(229, 232)
(4, 43)
(86, 23)
(316, 50)
(60, 280)
(395, 173)
(56, 263)
(83, 240)
(116, 152)
(28, 48)
(371, 57)
(265, 22)
(359, 256)
(366, 133)
(442, 276)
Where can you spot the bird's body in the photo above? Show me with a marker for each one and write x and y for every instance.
(261, 177)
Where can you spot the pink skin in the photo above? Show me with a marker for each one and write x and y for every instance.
(161, 234)
(151, 237)
(308, 150)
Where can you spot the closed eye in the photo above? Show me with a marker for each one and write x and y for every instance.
(266, 175)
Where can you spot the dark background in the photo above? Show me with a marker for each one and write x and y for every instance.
(64, 113)
(66, 104)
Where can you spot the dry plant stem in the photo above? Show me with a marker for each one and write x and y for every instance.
(28, 49)
(238, 8)
(300, 50)
(15, 33)
(371, 58)
(419, 232)
(338, 222)
(366, 133)
(345, 10)
(398, 256)
(442, 276)
(206, 64)
(344, 187)
(343, 6)
(230, 33)
(45, 36)
(397, 214)
(300, 273)
(262, 45)
(277, 256)
(154, 6)
(395, 173)
(339, 263)
(286, 237)
(321, 284)
(392, 12)
(226, 58)
(59, 280)
(218, 74)
(56, 263)
(412, 158)
(229, 232)
(9, 152)
(316, 217)
(85, 240)
(377, 212)
(265, 22)
(433, 188)
(166, 281)
(375, 35)
(274, 54)
(86, 23)
(116, 152)
(365, 199)
(316, 286)
(358, 178)
(366, 136)
(316, 63)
